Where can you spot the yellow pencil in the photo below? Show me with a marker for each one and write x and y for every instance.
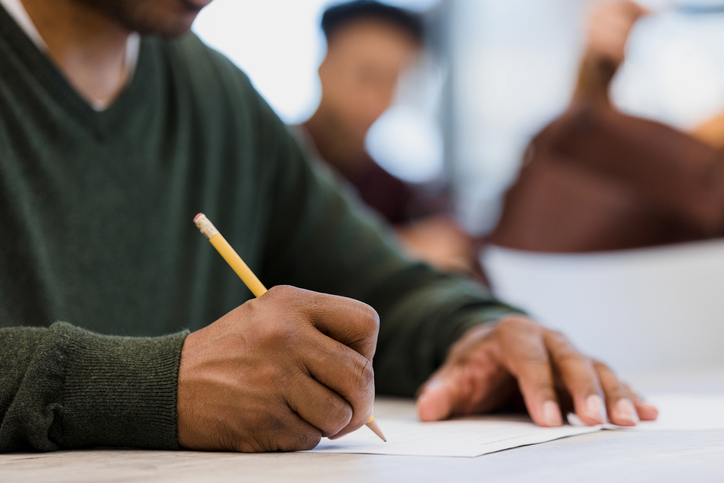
(247, 276)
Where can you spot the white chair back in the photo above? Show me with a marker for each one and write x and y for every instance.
(638, 310)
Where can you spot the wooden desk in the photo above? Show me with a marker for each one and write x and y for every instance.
(598, 457)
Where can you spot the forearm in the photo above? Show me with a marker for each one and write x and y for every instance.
(595, 75)
(64, 387)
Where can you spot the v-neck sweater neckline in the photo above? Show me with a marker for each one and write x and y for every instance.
(58, 87)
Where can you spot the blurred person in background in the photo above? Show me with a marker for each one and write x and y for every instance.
(369, 46)
(596, 179)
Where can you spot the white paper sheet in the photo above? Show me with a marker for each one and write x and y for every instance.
(470, 437)
(686, 412)
(677, 412)
(406, 436)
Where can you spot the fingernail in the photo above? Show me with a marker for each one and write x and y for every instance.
(650, 407)
(625, 411)
(595, 409)
(552, 414)
(434, 385)
(435, 403)
(652, 412)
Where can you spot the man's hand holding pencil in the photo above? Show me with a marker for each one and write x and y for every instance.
(278, 374)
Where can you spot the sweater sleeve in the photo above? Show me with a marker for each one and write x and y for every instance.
(322, 239)
(63, 387)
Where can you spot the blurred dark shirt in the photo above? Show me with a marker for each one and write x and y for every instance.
(381, 191)
(395, 200)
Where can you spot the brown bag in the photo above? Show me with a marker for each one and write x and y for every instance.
(596, 179)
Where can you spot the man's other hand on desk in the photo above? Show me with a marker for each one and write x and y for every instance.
(491, 366)
(278, 373)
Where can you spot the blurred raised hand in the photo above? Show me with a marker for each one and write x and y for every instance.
(609, 27)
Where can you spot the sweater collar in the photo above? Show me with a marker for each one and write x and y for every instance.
(24, 63)
(17, 12)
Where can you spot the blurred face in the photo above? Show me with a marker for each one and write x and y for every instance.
(360, 73)
(169, 18)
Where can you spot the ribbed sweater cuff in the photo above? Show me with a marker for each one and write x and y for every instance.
(119, 391)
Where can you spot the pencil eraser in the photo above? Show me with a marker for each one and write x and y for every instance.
(197, 217)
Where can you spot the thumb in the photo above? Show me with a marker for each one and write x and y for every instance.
(640, 11)
(437, 400)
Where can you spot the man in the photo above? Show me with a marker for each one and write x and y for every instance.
(596, 179)
(108, 148)
(369, 47)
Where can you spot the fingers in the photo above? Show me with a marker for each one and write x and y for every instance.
(437, 398)
(284, 431)
(636, 10)
(300, 436)
(579, 377)
(319, 406)
(344, 371)
(646, 411)
(487, 360)
(537, 387)
(594, 387)
(525, 355)
(333, 340)
(348, 321)
(625, 408)
(473, 387)
(610, 26)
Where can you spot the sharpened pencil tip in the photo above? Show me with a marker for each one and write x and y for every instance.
(372, 424)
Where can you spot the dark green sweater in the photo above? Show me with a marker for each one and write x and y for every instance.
(96, 230)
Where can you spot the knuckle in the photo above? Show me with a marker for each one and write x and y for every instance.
(301, 440)
(365, 374)
(359, 374)
(307, 440)
(370, 320)
(283, 292)
(518, 323)
(338, 415)
(601, 367)
(558, 343)
(361, 386)
(534, 361)
(280, 333)
(557, 337)
(532, 367)
(570, 356)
